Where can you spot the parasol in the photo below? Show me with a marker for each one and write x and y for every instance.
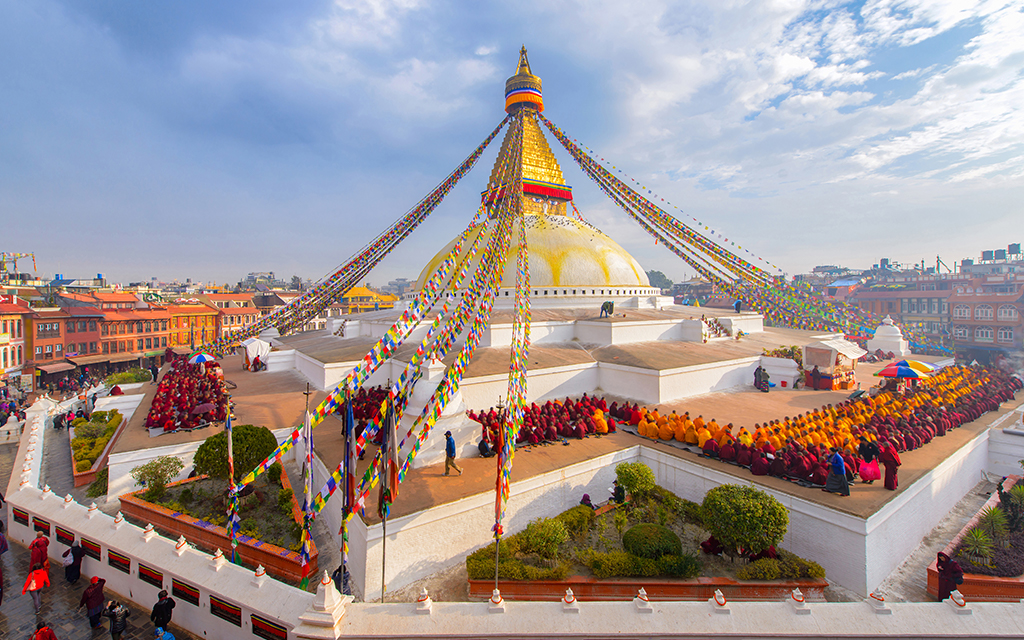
(200, 358)
(916, 365)
(895, 370)
(203, 408)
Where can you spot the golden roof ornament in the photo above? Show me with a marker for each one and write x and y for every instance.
(523, 90)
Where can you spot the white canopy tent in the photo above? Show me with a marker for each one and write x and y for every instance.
(255, 348)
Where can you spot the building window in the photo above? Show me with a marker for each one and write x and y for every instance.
(913, 305)
(961, 332)
(39, 351)
(1005, 334)
(82, 326)
(106, 347)
(163, 342)
(149, 343)
(122, 328)
(163, 325)
(92, 325)
(149, 327)
(58, 347)
(983, 334)
(983, 312)
(104, 329)
(83, 348)
(1007, 312)
(92, 347)
(962, 311)
(71, 327)
(141, 344)
(935, 307)
(49, 348)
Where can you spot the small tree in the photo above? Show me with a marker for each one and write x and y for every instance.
(155, 474)
(251, 446)
(744, 518)
(635, 477)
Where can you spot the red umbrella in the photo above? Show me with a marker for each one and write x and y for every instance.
(203, 408)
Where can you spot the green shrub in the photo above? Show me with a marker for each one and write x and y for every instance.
(284, 501)
(99, 416)
(620, 564)
(249, 527)
(77, 422)
(250, 445)
(793, 567)
(692, 513)
(763, 569)
(542, 537)
(186, 496)
(577, 521)
(128, 377)
(98, 488)
(83, 465)
(669, 500)
(651, 541)
(679, 566)
(155, 474)
(744, 518)
(89, 430)
(635, 477)
(480, 564)
(620, 520)
(274, 473)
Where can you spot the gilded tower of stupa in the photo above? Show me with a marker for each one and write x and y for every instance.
(571, 262)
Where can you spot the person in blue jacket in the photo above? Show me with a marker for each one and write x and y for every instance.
(449, 454)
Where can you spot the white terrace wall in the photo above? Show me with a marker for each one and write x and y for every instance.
(1006, 445)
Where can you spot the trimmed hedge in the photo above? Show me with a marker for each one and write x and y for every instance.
(788, 566)
(128, 377)
(92, 437)
(652, 541)
(480, 564)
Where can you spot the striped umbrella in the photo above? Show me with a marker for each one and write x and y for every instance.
(916, 365)
(896, 370)
(200, 358)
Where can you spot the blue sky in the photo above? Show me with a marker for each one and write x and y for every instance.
(206, 140)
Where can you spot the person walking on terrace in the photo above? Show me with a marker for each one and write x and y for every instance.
(449, 454)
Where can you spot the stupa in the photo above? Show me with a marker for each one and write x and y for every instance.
(572, 263)
(888, 337)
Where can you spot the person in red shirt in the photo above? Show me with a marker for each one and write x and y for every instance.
(43, 632)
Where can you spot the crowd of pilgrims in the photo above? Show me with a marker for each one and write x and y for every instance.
(849, 439)
(184, 387)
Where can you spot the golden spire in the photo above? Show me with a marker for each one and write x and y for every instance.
(524, 88)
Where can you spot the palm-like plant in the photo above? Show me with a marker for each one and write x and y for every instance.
(994, 522)
(977, 546)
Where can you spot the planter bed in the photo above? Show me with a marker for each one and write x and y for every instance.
(279, 562)
(976, 586)
(586, 588)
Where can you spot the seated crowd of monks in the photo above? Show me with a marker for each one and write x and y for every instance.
(550, 422)
(864, 431)
(184, 387)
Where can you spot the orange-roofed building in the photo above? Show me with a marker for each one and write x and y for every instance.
(192, 324)
(235, 310)
(134, 336)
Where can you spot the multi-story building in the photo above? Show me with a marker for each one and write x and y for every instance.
(82, 334)
(192, 324)
(235, 310)
(45, 342)
(139, 335)
(986, 324)
(14, 314)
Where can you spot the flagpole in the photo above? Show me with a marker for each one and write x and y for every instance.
(346, 506)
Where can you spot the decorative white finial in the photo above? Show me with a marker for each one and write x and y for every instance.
(180, 545)
(496, 604)
(569, 602)
(218, 560)
(68, 501)
(118, 520)
(878, 604)
(259, 577)
(959, 603)
(149, 532)
(720, 604)
(424, 603)
(799, 604)
(642, 602)
(93, 510)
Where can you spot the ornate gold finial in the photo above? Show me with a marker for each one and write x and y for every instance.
(524, 88)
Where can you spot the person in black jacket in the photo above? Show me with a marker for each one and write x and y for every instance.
(161, 615)
(118, 614)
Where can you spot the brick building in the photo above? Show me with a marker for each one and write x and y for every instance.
(14, 314)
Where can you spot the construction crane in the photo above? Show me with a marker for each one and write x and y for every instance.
(13, 258)
(940, 263)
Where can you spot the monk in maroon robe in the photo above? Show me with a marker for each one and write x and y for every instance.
(892, 461)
